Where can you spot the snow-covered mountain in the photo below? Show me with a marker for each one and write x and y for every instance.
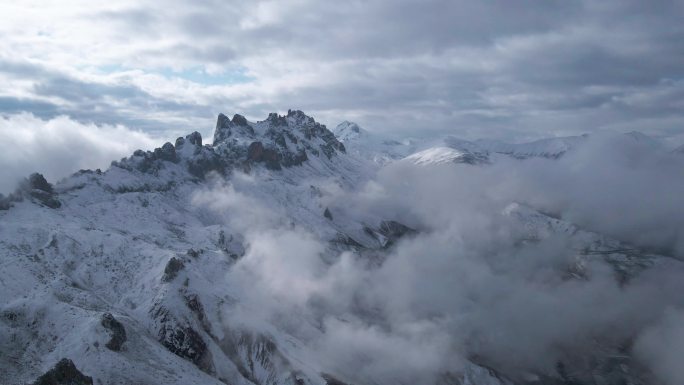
(368, 146)
(135, 274)
(428, 150)
(440, 155)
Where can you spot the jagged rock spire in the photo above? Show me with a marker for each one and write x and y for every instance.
(225, 127)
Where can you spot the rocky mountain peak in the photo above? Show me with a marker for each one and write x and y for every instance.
(226, 128)
(239, 120)
(347, 131)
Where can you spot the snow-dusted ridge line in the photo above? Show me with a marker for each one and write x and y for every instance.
(127, 243)
(139, 254)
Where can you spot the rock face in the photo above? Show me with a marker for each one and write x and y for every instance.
(116, 330)
(167, 152)
(172, 268)
(182, 339)
(195, 138)
(64, 373)
(277, 142)
(389, 232)
(269, 156)
(36, 188)
(226, 128)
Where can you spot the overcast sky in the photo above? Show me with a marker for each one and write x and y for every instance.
(514, 70)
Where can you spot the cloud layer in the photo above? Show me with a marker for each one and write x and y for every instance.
(60, 146)
(470, 68)
(472, 286)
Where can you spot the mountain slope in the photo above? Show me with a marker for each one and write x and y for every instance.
(142, 273)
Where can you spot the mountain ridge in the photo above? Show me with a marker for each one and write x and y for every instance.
(126, 275)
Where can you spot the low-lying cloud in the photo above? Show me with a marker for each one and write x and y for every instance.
(470, 287)
(60, 146)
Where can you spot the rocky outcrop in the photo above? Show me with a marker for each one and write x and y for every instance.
(42, 191)
(276, 143)
(226, 128)
(256, 152)
(395, 230)
(256, 356)
(195, 305)
(116, 331)
(187, 343)
(36, 188)
(64, 373)
(167, 152)
(282, 142)
(239, 120)
(389, 232)
(182, 340)
(173, 266)
(195, 138)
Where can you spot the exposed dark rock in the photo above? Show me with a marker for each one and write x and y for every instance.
(295, 113)
(64, 373)
(226, 127)
(328, 214)
(46, 199)
(389, 232)
(472, 158)
(222, 122)
(395, 230)
(276, 119)
(180, 141)
(256, 152)
(290, 159)
(347, 241)
(187, 343)
(195, 305)
(195, 138)
(167, 152)
(116, 331)
(249, 351)
(278, 137)
(194, 253)
(37, 182)
(172, 268)
(206, 161)
(181, 339)
(239, 120)
(36, 187)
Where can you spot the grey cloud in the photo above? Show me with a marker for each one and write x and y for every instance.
(37, 107)
(472, 285)
(57, 147)
(493, 69)
(57, 94)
